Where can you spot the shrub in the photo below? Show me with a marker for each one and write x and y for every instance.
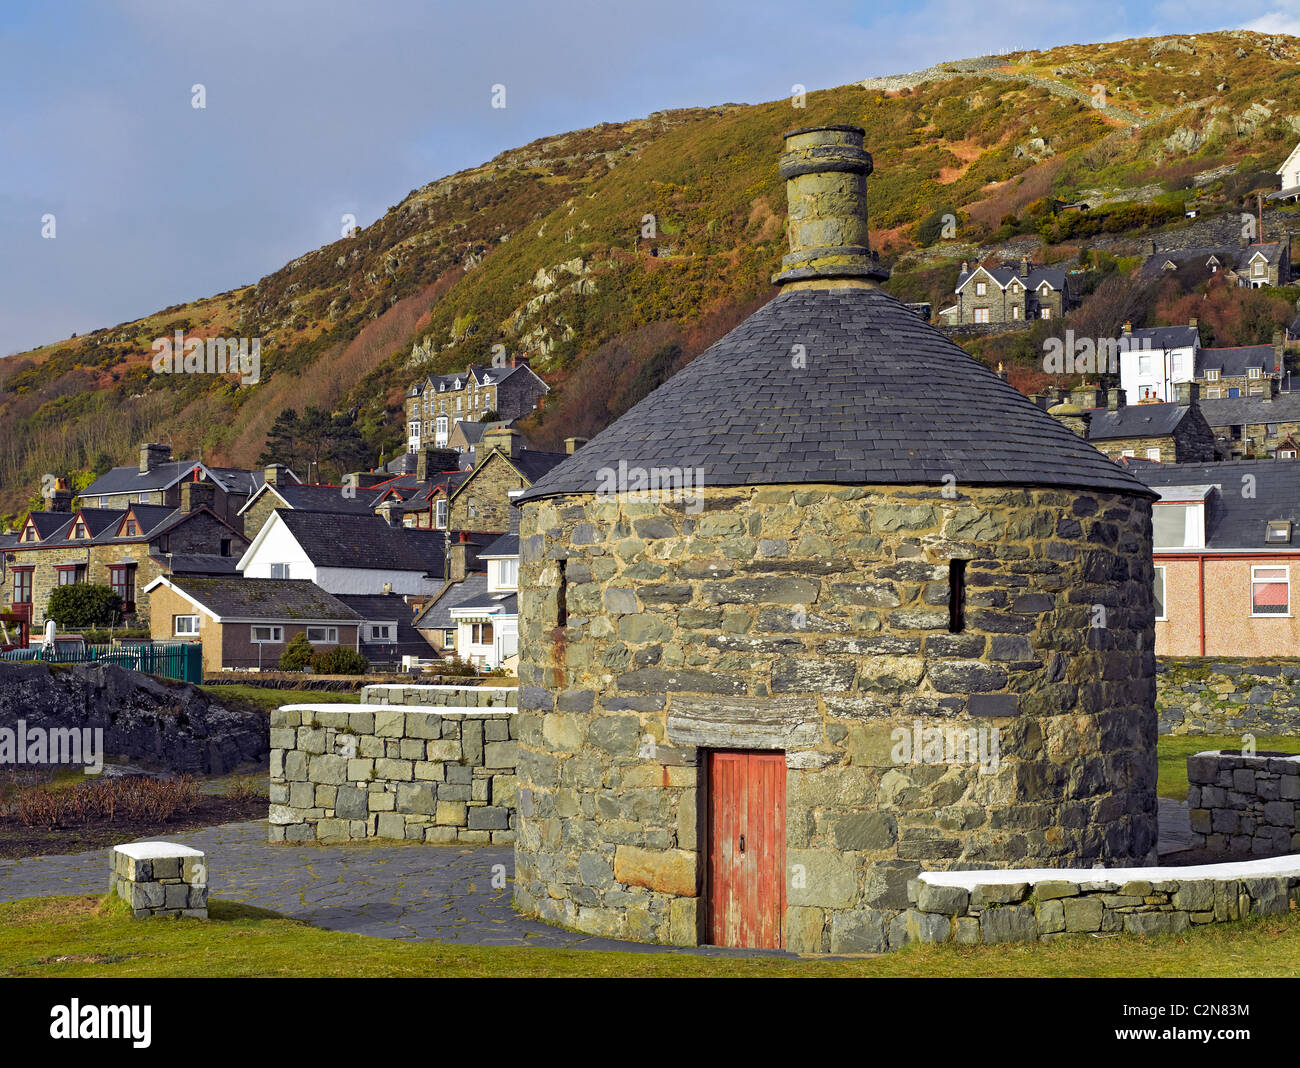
(297, 654)
(84, 605)
(339, 661)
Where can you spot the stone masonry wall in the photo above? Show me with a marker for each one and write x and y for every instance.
(814, 620)
(341, 772)
(1245, 804)
(1196, 695)
(453, 696)
(971, 909)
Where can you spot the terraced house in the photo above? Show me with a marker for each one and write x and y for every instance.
(482, 394)
(126, 548)
(1010, 294)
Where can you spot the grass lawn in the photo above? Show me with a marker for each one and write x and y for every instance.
(92, 936)
(268, 698)
(1174, 749)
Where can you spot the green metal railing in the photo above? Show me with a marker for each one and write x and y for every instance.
(172, 660)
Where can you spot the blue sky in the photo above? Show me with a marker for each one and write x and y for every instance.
(317, 108)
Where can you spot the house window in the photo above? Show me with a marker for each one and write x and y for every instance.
(1127, 452)
(122, 579)
(981, 315)
(70, 575)
(225, 546)
(323, 635)
(1270, 591)
(1159, 593)
(1211, 374)
(1286, 454)
(981, 289)
(185, 626)
(29, 534)
(1213, 393)
(562, 595)
(957, 596)
(1278, 532)
(473, 508)
(22, 585)
(440, 513)
(1144, 365)
(1259, 267)
(266, 635)
(381, 632)
(1045, 313)
(1252, 372)
(1153, 453)
(508, 574)
(448, 639)
(480, 633)
(1015, 311)
(279, 570)
(129, 529)
(79, 530)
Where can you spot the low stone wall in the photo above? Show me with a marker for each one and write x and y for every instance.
(460, 696)
(1035, 905)
(343, 772)
(1245, 804)
(1219, 696)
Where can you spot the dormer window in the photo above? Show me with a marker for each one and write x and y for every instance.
(1252, 372)
(79, 531)
(29, 533)
(130, 529)
(1211, 374)
(1278, 532)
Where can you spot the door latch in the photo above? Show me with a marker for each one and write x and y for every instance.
(742, 843)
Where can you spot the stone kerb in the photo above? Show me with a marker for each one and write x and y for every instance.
(1031, 905)
(1244, 804)
(444, 696)
(160, 879)
(352, 772)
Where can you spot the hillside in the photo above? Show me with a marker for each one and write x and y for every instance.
(541, 249)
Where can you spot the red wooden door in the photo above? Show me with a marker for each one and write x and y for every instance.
(746, 834)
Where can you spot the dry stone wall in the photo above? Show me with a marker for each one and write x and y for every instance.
(1245, 804)
(1199, 696)
(815, 620)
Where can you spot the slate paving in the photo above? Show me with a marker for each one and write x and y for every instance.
(455, 894)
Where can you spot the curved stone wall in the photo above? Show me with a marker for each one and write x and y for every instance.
(815, 620)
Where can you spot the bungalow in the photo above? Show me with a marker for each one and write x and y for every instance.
(346, 554)
(245, 623)
(1226, 557)
(387, 630)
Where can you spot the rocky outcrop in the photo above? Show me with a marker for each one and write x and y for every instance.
(173, 724)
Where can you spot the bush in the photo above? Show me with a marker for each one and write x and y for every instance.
(297, 654)
(338, 661)
(84, 605)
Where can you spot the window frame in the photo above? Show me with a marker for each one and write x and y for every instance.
(1161, 573)
(327, 640)
(176, 627)
(1255, 581)
(277, 634)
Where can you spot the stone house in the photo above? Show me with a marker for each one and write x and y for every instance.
(1226, 561)
(246, 623)
(157, 480)
(1254, 426)
(1240, 371)
(125, 548)
(1165, 433)
(724, 663)
(481, 501)
(435, 405)
(1152, 360)
(1254, 265)
(1011, 295)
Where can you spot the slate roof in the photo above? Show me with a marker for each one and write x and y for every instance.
(484, 602)
(437, 614)
(199, 564)
(1167, 337)
(506, 545)
(102, 523)
(1235, 520)
(1245, 411)
(884, 398)
(480, 373)
(1227, 255)
(334, 539)
(380, 608)
(259, 598)
(1135, 421)
(318, 498)
(1053, 276)
(131, 480)
(1234, 362)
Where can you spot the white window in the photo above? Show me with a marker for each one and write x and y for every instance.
(1144, 365)
(1259, 267)
(381, 632)
(1252, 372)
(1153, 453)
(981, 289)
(448, 639)
(185, 626)
(1213, 393)
(480, 633)
(1127, 452)
(1270, 591)
(440, 513)
(1211, 374)
(1175, 365)
(279, 570)
(266, 635)
(1286, 454)
(1044, 313)
(1159, 589)
(507, 574)
(1015, 311)
(981, 315)
(323, 635)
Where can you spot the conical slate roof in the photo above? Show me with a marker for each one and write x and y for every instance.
(882, 397)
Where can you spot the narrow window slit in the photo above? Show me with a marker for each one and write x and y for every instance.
(956, 596)
(561, 603)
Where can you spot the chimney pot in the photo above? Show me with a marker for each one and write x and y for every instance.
(825, 170)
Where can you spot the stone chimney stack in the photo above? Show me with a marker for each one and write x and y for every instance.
(392, 512)
(505, 438)
(1072, 417)
(1279, 347)
(58, 498)
(1114, 400)
(1024, 266)
(1085, 396)
(1194, 323)
(461, 555)
(825, 170)
(429, 461)
(1186, 393)
(273, 474)
(1128, 328)
(196, 495)
(153, 456)
(572, 445)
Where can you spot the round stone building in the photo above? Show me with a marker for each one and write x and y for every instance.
(832, 606)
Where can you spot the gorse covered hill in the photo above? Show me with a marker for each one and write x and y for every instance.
(611, 256)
